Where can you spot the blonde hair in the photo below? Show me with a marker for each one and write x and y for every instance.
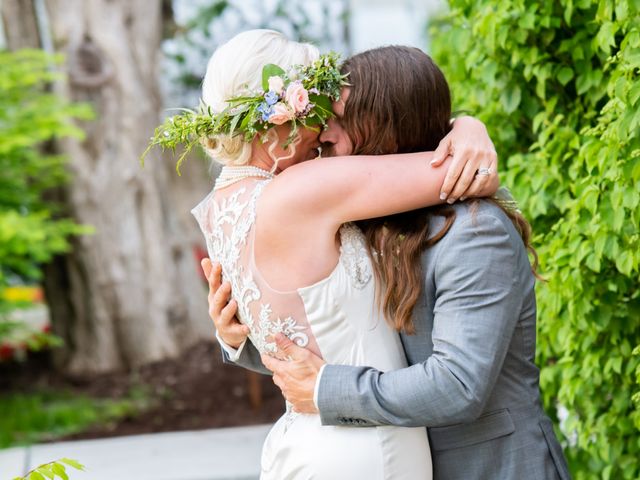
(235, 68)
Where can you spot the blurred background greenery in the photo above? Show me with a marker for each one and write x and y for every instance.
(98, 257)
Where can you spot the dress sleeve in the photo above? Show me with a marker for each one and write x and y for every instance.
(203, 214)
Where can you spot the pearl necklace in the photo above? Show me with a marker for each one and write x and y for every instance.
(230, 175)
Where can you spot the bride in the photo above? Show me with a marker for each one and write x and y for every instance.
(296, 264)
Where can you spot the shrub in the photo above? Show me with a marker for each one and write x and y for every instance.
(31, 228)
(557, 85)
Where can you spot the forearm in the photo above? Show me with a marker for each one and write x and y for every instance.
(342, 189)
(429, 394)
(451, 386)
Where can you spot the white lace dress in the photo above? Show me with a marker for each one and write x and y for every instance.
(337, 319)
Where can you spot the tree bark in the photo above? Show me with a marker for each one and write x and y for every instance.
(20, 24)
(129, 293)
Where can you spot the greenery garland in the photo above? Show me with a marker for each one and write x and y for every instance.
(302, 96)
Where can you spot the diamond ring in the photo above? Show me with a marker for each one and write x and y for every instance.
(484, 171)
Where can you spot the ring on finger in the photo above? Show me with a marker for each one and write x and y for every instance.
(483, 171)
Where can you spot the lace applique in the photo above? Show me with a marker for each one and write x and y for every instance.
(354, 255)
(270, 327)
(227, 248)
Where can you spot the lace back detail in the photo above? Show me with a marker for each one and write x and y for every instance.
(354, 255)
(227, 218)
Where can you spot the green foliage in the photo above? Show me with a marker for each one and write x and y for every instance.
(31, 230)
(47, 415)
(52, 470)
(557, 85)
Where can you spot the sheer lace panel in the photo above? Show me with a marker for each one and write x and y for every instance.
(227, 218)
(354, 256)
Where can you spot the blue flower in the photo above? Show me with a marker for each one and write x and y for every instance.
(266, 110)
(271, 97)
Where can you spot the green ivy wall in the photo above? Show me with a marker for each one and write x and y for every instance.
(558, 85)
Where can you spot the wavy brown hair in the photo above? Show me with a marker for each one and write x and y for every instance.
(399, 102)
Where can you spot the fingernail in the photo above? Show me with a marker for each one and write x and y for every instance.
(462, 199)
(443, 196)
(432, 162)
(450, 201)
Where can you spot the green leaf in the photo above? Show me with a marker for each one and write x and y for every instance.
(247, 118)
(73, 463)
(605, 38)
(313, 121)
(35, 475)
(59, 470)
(624, 262)
(234, 122)
(568, 11)
(46, 471)
(510, 98)
(634, 93)
(565, 75)
(325, 103)
(270, 70)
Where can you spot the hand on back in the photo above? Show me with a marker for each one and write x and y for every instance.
(222, 309)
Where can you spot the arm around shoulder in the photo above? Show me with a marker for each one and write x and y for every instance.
(343, 189)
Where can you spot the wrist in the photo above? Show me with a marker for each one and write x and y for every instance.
(316, 388)
(466, 119)
(233, 344)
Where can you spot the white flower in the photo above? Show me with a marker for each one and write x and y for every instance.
(276, 84)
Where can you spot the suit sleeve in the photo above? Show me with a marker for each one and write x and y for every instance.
(246, 356)
(478, 297)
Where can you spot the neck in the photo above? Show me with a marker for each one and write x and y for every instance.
(260, 157)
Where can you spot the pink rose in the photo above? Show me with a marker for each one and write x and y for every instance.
(276, 84)
(281, 114)
(297, 97)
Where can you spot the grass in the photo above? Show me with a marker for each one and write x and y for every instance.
(48, 415)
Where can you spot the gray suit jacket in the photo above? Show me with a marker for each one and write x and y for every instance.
(472, 379)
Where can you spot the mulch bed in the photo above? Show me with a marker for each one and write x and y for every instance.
(195, 391)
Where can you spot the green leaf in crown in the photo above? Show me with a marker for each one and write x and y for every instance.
(302, 96)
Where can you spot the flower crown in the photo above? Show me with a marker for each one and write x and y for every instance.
(302, 96)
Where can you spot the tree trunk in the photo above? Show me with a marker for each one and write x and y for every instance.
(129, 293)
(20, 24)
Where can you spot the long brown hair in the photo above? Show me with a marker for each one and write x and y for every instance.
(399, 103)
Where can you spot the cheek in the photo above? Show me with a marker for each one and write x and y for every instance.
(347, 141)
(344, 145)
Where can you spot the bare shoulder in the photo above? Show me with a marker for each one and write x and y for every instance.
(296, 185)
